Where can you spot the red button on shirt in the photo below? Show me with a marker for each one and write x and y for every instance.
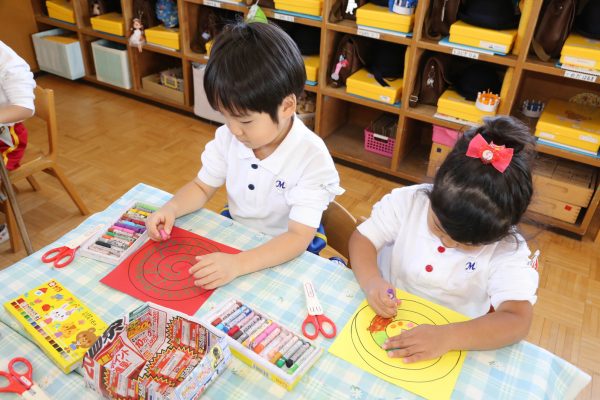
(428, 268)
(441, 249)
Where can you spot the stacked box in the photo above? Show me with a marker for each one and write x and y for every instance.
(110, 23)
(562, 188)
(61, 9)
(487, 39)
(454, 105)
(166, 37)
(373, 16)
(310, 7)
(582, 52)
(362, 83)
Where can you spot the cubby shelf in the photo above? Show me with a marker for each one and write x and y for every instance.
(340, 117)
(346, 26)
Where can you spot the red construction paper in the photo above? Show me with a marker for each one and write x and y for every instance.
(158, 271)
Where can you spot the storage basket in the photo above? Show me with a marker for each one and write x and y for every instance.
(60, 57)
(172, 78)
(112, 63)
(380, 135)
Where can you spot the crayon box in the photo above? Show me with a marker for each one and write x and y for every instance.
(269, 347)
(122, 237)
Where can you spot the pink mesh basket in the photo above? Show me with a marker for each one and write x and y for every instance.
(379, 136)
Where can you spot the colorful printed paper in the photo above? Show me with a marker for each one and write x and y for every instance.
(158, 271)
(60, 324)
(360, 344)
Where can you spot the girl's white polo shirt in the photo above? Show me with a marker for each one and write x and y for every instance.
(297, 181)
(413, 259)
(16, 80)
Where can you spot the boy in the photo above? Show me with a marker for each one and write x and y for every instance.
(278, 174)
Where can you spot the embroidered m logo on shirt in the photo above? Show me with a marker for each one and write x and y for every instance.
(470, 266)
(279, 184)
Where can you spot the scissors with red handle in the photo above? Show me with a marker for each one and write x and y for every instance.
(64, 255)
(21, 383)
(315, 318)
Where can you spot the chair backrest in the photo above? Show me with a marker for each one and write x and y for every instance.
(45, 110)
(339, 225)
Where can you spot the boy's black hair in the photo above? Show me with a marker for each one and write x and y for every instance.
(475, 203)
(253, 67)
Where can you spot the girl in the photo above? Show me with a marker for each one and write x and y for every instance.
(455, 243)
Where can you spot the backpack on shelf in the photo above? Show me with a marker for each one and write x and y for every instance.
(432, 79)
(553, 28)
(441, 14)
(349, 57)
(345, 9)
(144, 10)
(166, 12)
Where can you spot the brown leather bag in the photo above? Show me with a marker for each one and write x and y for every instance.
(432, 79)
(345, 9)
(442, 14)
(349, 57)
(145, 10)
(553, 28)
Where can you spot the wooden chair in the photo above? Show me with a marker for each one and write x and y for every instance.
(44, 161)
(339, 225)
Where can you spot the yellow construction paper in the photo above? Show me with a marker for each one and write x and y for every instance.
(432, 379)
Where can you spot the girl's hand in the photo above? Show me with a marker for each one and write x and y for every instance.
(379, 299)
(162, 219)
(215, 269)
(423, 342)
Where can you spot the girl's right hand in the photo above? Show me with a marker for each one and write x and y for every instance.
(377, 296)
(163, 219)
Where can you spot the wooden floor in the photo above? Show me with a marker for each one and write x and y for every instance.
(109, 142)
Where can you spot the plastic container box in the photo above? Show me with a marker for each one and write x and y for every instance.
(59, 54)
(379, 136)
(112, 63)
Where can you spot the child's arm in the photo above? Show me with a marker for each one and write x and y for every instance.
(191, 197)
(364, 265)
(217, 269)
(11, 114)
(507, 325)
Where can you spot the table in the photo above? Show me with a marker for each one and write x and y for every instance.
(520, 371)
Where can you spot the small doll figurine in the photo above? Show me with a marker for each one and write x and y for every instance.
(137, 37)
(97, 8)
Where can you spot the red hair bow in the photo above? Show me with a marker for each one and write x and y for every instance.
(489, 153)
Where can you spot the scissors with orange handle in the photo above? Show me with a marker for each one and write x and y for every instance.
(63, 255)
(21, 382)
(315, 318)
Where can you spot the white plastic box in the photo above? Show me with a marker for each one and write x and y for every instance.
(201, 106)
(112, 63)
(63, 59)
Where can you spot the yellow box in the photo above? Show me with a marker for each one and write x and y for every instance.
(453, 104)
(167, 37)
(488, 39)
(62, 39)
(61, 9)
(571, 124)
(362, 83)
(581, 52)
(110, 23)
(151, 84)
(310, 7)
(554, 208)
(382, 18)
(564, 180)
(208, 47)
(311, 64)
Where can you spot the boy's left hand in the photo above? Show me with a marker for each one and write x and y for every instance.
(214, 270)
(423, 342)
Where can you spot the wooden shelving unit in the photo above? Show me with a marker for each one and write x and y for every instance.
(341, 117)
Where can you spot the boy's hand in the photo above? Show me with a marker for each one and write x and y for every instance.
(215, 269)
(423, 342)
(162, 219)
(379, 299)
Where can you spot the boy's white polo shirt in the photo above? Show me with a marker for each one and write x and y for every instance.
(297, 181)
(413, 259)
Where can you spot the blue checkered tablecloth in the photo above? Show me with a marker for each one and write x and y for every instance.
(521, 371)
